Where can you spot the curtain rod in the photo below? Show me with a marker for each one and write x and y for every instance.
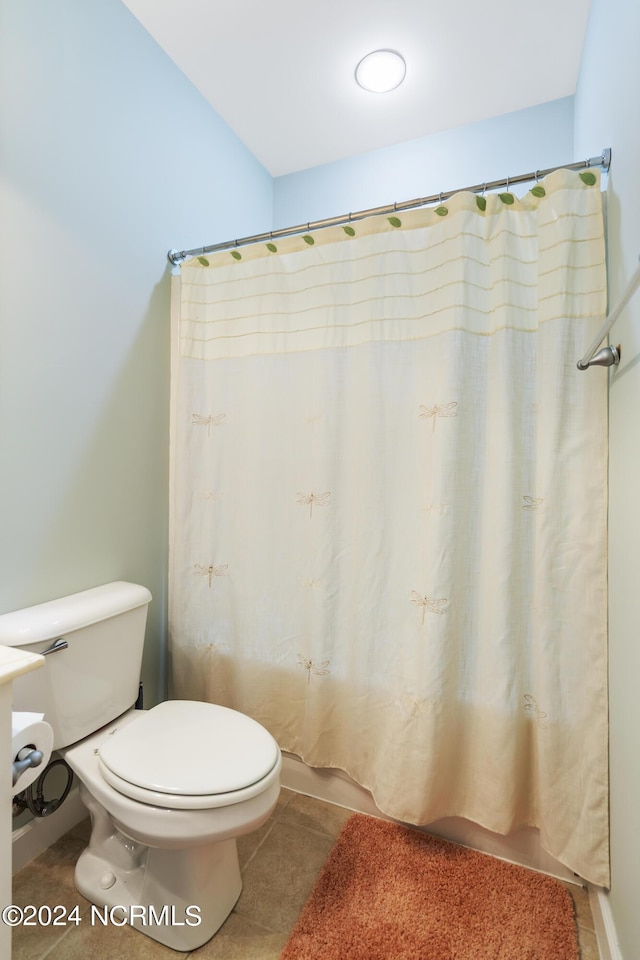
(177, 256)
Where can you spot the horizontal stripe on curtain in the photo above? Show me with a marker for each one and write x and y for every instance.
(388, 531)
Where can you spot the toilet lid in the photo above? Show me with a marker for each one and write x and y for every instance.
(190, 748)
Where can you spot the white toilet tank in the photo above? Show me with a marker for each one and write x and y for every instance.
(94, 677)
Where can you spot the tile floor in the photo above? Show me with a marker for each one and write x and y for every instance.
(279, 864)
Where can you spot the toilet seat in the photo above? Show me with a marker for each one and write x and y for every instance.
(189, 755)
(180, 801)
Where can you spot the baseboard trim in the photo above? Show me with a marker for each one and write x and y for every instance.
(604, 926)
(35, 837)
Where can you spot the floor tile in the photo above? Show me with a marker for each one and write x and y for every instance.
(82, 831)
(110, 943)
(286, 796)
(584, 917)
(279, 863)
(278, 881)
(588, 945)
(249, 844)
(240, 938)
(46, 882)
(580, 896)
(312, 814)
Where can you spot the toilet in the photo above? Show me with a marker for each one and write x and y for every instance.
(168, 789)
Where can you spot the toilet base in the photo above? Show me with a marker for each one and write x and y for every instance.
(178, 897)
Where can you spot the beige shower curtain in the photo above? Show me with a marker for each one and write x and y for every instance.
(389, 506)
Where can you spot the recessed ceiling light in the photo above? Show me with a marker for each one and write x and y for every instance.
(381, 71)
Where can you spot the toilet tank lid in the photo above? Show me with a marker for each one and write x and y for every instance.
(53, 619)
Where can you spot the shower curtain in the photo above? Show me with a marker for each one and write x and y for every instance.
(388, 506)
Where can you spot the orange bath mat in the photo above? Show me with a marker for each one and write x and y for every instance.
(390, 893)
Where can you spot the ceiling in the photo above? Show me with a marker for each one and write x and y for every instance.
(281, 72)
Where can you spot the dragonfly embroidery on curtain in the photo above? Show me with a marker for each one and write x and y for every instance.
(210, 571)
(438, 508)
(415, 706)
(433, 606)
(438, 410)
(313, 499)
(532, 503)
(316, 418)
(531, 705)
(319, 669)
(209, 421)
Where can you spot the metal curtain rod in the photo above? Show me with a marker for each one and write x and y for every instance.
(177, 256)
(609, 356)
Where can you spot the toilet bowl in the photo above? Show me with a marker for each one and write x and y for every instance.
(168, 789)
(198, 776)
(162, 817)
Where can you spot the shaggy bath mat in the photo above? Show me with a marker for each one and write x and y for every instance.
(390, 893)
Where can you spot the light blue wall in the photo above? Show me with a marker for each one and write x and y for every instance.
(514, 143)
(607, 111)
(109, 158)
